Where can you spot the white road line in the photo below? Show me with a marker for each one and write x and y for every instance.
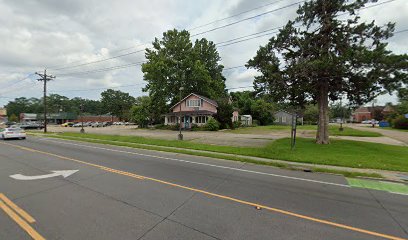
(198, 163)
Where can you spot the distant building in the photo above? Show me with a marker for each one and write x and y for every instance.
(193, 109)
(52, 118)
(283, 117)
(28, 117)
(3, 115)
(246, 120)
(367, 113)
(63, 117)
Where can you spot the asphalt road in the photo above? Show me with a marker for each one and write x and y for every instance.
(123, 193)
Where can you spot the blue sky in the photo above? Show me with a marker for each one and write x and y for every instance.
(55, 34)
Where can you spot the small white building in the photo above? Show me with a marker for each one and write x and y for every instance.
(246, 120)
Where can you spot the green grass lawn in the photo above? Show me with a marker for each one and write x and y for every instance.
(339, 153)
(333, 130)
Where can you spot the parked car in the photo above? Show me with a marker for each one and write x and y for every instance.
(30, 125)
(67, 124)
(12, 132)
(105, 124)
(8, 124)
(78, 124)
(97, 124)
(370, 122)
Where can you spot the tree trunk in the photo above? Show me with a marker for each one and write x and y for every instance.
(322, 135)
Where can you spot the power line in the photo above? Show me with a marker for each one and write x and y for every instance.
(104, 69)
(134, 52)
(253, 36)
(239, 87)
(96, 89)
(21, 80)
(246, 19)
(117, 51)
(401, 31)
(230, 68)
(102, 60)
(268, 12)
(235, 15)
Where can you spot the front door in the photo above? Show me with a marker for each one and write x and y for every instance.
(186, 122)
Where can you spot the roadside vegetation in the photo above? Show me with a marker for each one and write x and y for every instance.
(340, 153)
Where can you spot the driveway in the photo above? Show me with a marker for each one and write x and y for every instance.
(394, 134)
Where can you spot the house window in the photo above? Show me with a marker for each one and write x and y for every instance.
(201, 119)
(283, 119)
(194, 103)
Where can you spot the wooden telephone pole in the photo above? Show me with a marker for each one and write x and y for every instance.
(45, 78)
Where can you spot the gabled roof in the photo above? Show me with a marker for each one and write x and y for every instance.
(210, 101)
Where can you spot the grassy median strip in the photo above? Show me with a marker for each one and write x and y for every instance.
(305, 152)
(343, 153)
(333, 130)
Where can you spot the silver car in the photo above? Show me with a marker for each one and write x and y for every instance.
(12, 132)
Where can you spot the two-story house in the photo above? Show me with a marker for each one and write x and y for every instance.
(193, 109)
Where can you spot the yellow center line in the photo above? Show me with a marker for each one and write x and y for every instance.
(330, 223)
(23, 224)
(17, 209)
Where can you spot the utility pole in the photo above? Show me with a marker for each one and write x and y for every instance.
(45, 78)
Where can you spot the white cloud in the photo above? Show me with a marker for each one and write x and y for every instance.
(47, 33)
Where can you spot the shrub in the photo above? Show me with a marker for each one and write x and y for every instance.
(212, 125)
(400, 123)
(195, 127)
(255, 122)
(167, 127)
(236, 124)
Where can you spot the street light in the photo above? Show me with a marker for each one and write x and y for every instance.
(180, 136)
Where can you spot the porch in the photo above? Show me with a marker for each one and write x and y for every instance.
(188, 118)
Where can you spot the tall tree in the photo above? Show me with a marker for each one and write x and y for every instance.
(174, 62)
(325, 56)
(117, 103)
(338, 110)
(24, 105)
(140, 113)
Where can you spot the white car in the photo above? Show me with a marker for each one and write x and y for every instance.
(13, 132)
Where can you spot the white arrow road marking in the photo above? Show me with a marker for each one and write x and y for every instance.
(64, 173)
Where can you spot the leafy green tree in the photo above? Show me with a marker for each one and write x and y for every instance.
(338, 110)
(93, 107)
(262, 111)
(248, 103)
(403, 94)
(140, 113)
(311, 114)
(224, 113)
(117, 103)
(24, 105)
(57, 103)
(13, 118)
(174, 62)
(243, 101)
(325, 56)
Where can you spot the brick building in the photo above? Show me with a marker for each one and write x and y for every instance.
(367, 113)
